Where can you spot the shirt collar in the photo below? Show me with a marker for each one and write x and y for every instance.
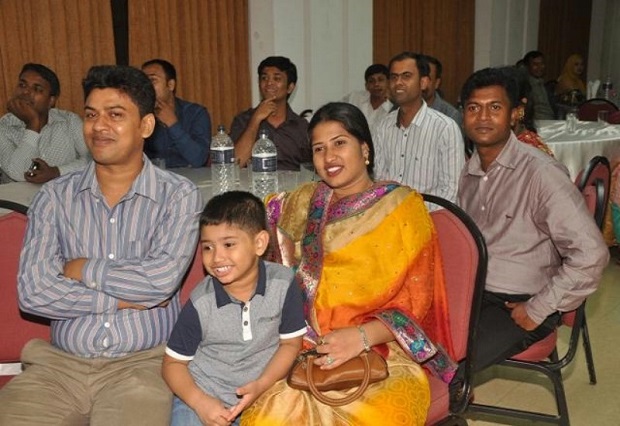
(222, 298)
(145, 183)
(417, 119)
(507, 158)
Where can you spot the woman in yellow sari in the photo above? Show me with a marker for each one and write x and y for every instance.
(368, 260)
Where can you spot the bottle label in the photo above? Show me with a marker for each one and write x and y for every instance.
(222, 156)
(264, 164)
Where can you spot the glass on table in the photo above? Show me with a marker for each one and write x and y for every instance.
(288, 180)
(243, 176)
(571, 122)
(308, 173)
(602, 116)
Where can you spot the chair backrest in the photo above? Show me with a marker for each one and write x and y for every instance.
(194, 275)
(464, 257)
(588, 110)
(17, 327)
(598, 169)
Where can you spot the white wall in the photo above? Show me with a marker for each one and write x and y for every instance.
(330, 42)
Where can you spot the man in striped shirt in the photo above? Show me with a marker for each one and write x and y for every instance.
(416, 145)
(104, 254)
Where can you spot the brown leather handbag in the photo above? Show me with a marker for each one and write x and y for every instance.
(366, 368)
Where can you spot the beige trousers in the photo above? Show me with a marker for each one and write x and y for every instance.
(61, 389)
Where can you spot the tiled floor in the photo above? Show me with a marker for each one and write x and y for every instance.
(596, 405)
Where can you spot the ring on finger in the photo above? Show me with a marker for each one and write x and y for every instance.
(329, 360)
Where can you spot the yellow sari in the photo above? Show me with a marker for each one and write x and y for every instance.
(371, 255)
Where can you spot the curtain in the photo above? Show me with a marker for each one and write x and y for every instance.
(442, 28)
(563, 29)
(68, 36)
(208, 43)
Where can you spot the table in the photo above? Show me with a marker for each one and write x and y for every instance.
(574, 150)
(24, 192)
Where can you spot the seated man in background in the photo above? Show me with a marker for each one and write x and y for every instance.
(546, 254)
(431, 94)
(35, 131)
(416, 145)
(373, 102)
(541, 99)
(182, 136)
(277, 77)
(105, 251)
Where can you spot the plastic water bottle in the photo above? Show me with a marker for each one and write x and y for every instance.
(222, 162)
(264, 166)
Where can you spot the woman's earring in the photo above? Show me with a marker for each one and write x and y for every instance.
(367, 161)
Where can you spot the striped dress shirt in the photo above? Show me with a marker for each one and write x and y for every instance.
(428, 155)
(137, 251)
(60, 144)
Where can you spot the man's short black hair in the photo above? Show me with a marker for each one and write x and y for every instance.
(282, 63)
(169, 70)
(420, 61)
(492, 77)
(236, 208)
(532, 54)
(437, 63)
(129, 80)
(47, 75)
(376, 69)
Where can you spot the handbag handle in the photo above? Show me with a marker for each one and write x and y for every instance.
(337, 402)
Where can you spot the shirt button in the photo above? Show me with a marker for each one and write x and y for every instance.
(112, 220)
(245, 323)
(483, 208)
(402, 155)
(106, 325)
(485, 178)
(405, 135)
(111, 256)
(105, 342)
(245, 309)
(92, 284)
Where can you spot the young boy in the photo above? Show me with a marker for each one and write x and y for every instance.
(242, 327)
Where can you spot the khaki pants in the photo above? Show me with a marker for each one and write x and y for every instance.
(61, 389)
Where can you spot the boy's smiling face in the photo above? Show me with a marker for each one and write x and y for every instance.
(231, 254)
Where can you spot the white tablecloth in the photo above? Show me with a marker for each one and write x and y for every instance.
(575, 149)
(24, 192)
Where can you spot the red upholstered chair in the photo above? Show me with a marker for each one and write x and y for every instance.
(464, 261)
(597, 168)
(588, 110)
(614, 117)
(194, 275)
(17, 327)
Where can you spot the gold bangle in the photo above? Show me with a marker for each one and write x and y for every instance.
(364, 338)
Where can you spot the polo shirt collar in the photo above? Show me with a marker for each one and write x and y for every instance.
(222, 298)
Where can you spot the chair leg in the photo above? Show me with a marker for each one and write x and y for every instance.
(560, 397)
(588, 349)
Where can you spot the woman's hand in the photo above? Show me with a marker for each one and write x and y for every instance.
(338, 347)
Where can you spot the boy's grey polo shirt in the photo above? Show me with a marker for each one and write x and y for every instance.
(230, 343)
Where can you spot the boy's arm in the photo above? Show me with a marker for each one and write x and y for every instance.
(176, 374)
(277, 368)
